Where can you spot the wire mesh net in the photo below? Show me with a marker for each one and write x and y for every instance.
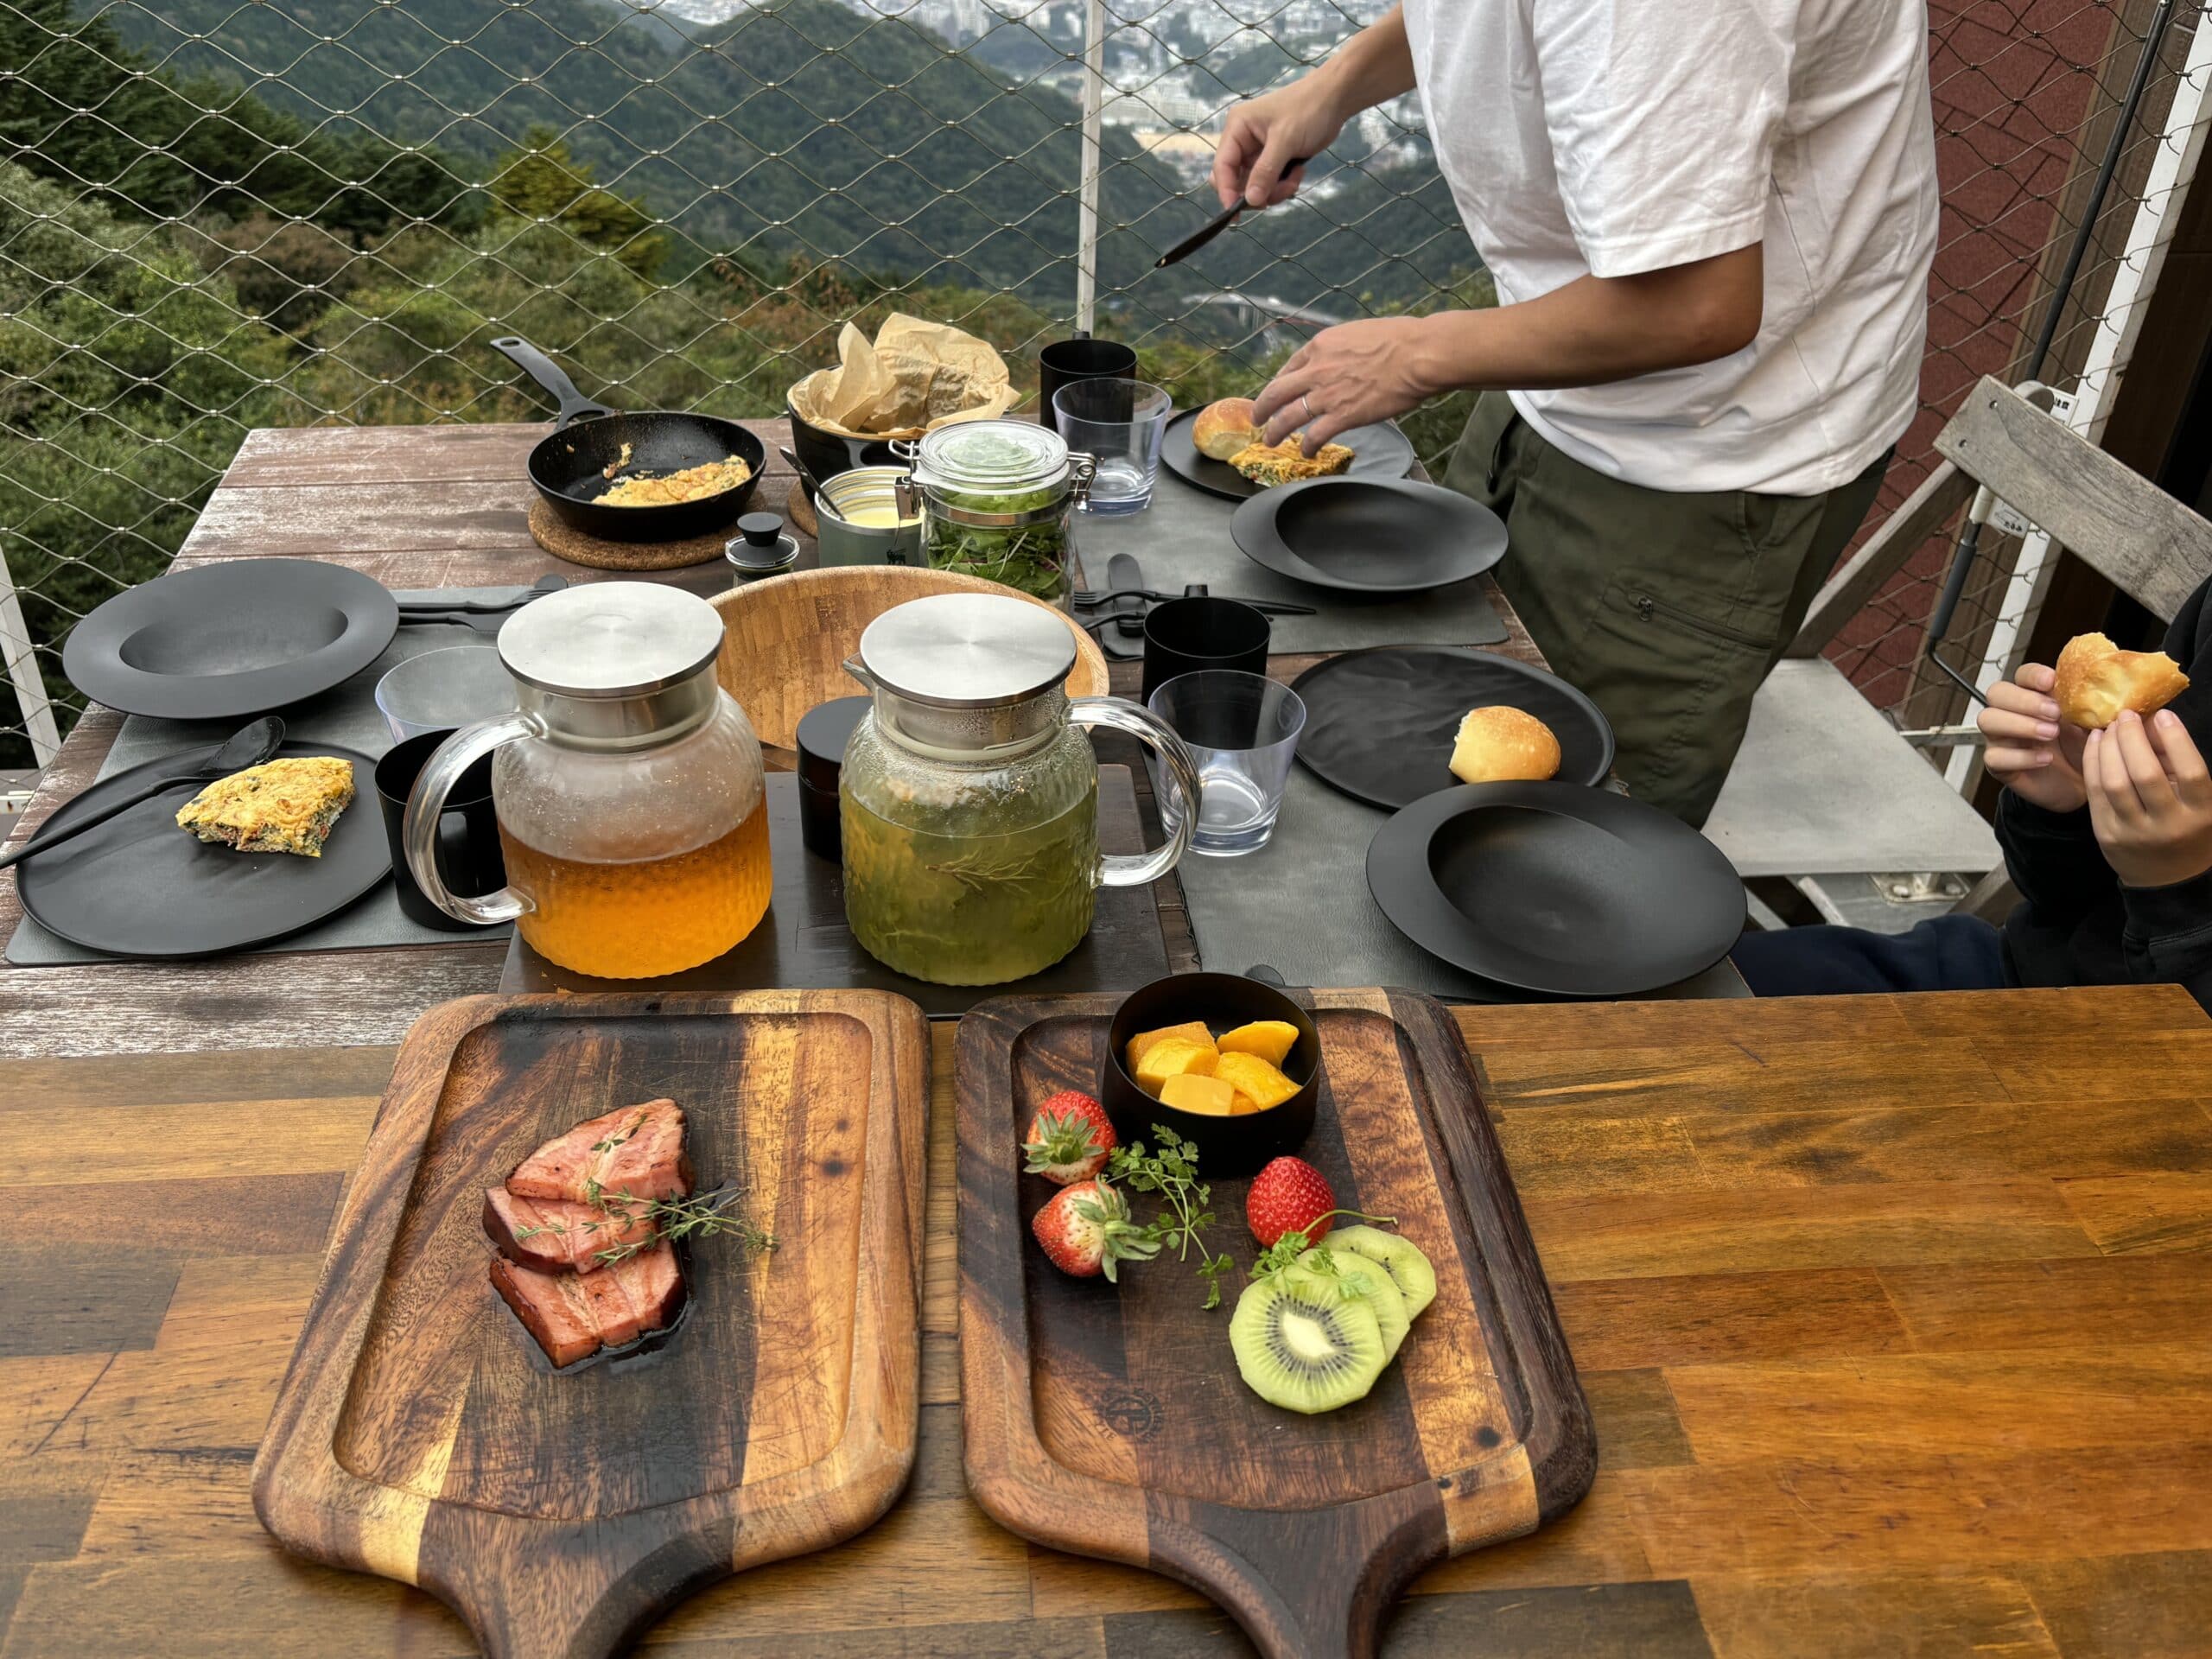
(216, 216)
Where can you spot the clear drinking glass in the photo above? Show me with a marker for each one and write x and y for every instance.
(440, 690)
(1120, 422)
(1242, 731)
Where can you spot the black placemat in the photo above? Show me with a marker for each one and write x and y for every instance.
(804, 945)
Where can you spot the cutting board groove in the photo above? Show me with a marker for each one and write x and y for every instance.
(421, 1434)
(1113, 1423)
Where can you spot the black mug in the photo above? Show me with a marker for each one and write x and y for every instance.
(469, 859)
(1080, 359)
(1184, 636)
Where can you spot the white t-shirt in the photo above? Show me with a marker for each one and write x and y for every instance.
(1610, 138)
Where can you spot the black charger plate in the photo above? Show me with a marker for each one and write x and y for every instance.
(1556, 888)
(1377, 451)
(140, 887)
(1379, 723)
(1369, 534)
(225, 640)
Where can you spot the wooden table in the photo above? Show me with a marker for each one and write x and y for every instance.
(1893, 1311)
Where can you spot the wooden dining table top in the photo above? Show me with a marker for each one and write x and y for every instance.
(1894, 1314)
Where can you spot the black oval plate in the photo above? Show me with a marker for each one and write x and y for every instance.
(225, 640)
(1379, 723)
(1369, 534)
(140, 887)
(1377, 451)
(1556, 888)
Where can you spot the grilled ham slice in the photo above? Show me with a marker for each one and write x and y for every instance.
(638, 1151)
(554, 1236)
(573, 1315)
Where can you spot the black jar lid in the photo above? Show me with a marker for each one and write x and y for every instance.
(823, 732)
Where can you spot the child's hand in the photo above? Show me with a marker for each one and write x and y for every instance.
(2028, 751)
(2150, 799)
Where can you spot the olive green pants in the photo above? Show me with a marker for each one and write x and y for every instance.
(1667, 608)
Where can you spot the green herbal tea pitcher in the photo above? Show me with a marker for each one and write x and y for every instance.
(970, 797)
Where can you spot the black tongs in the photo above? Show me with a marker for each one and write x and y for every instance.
(1221, 222)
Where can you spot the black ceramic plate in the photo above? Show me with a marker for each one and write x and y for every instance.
(1556, 888)
(1379, 723)
(1377, 451)
(1369, 534)
(231, 640)
(140, 887)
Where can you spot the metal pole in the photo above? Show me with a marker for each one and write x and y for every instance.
(1086, 225)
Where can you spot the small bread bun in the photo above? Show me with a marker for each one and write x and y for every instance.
(1501, 744)
(1224, 428)
(2097, 680)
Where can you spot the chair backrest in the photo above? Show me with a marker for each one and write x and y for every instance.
(2122, 525)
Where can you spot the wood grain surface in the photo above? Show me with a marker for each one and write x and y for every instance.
(1110, 1420)
(1978, 1224)
(420, 1434)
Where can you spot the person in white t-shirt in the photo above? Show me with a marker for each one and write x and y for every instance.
(1709, 223)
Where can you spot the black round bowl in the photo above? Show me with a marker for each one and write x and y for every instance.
(1227, 1145)
(824, 454)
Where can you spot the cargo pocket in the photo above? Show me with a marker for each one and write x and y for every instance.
(1639, 600)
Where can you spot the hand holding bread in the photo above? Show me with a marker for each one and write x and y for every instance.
(1226, 431)
(2150, 799)
(2028, 749)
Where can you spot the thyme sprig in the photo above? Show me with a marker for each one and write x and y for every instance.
(1172, 1173)
(703, 1215)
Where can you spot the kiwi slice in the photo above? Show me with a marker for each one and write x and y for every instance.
(1358, 1276)
(1399, 1257)
(1306, 1346)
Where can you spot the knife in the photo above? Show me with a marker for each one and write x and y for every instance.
(1221, 222)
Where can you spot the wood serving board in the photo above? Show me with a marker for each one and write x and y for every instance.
(1113, 1422)
(420, 1433)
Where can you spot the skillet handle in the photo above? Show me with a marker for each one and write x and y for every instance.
(575, 406)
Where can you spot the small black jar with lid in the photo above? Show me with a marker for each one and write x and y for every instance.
(823, 733)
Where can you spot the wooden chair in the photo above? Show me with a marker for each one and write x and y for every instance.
(1824, 785)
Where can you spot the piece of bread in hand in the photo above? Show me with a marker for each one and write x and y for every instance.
(2097, 680)
(1224, 428)
(1501, 744)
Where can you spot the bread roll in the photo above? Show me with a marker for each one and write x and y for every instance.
(1502, 744)
(1224, 428)
(2097, 680)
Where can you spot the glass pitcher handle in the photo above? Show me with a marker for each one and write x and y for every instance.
(426, 806)
(1135, 870)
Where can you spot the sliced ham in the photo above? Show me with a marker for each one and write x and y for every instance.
(555, 1236)
(638, 1151)
(573, 1315)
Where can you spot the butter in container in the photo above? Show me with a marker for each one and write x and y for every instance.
(859, 522)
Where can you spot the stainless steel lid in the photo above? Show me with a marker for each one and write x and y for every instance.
(966, 651)
(611, 639)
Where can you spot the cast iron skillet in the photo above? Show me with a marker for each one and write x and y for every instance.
(569, 465)
(1556, 888)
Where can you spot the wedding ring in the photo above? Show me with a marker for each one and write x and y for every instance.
(1308, 402)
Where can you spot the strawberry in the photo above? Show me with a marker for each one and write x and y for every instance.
(1086, 1231)
(1069, 1139)
(1289, 1196)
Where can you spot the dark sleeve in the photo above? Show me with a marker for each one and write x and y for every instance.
(2053, 860)
(2168, 939)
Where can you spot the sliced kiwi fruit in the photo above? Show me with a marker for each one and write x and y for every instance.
(1399, 1257)
(1358, 1276)
(1306, 1346)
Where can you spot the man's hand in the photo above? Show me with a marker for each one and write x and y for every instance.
(2150, 799)
(1264, 133)
(2028, 751)
(1347, 375)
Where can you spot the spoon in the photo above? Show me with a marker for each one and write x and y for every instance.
(250, 746)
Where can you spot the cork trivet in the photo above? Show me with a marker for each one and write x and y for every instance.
(800, 511)
(565, 540)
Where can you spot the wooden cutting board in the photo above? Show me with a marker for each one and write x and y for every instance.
(1113, 1423)
(420, 1433)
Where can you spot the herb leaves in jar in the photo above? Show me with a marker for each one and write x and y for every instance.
(1000, 470)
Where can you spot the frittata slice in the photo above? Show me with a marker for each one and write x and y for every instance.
(1285, 463)
(280, 806)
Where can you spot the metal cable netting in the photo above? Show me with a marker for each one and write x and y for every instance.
(216, 215)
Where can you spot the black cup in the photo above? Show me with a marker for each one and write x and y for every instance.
(1080, 359)
(1184, 636)
(469, 861)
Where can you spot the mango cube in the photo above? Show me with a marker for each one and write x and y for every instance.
(1271, 1040)
(1178, 1057)
(1248, 1074)
(1192, 1093)
(1193, 1031)
(1240, 1103)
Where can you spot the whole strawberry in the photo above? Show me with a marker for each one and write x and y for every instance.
(1289, 1196)
(1069, 1139)
(1086, 1231)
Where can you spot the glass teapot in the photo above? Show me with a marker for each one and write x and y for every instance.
(627, 786)
(969, 798)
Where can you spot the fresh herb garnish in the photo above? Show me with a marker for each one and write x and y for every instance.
(703, 1215)
(1286, 1250)
(1172, 1173)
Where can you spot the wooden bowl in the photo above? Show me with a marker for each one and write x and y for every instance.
(1227, 1145)
(786, 639)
